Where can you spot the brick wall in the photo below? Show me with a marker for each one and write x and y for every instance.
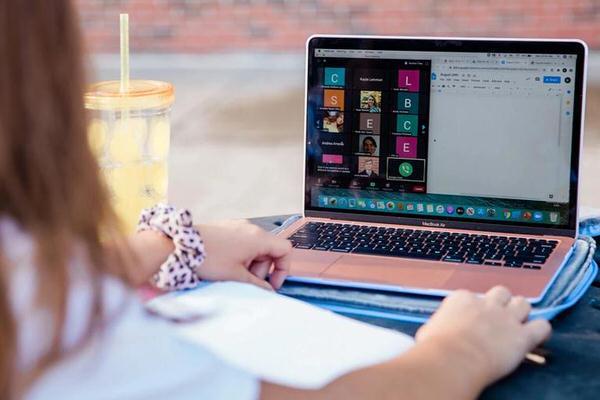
(191, 26)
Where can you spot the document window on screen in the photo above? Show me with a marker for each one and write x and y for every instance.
(501, 141)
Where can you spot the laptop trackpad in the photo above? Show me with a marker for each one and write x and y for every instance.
(310, 262)
(390, 271)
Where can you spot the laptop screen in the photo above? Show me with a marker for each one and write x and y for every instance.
(456, 135)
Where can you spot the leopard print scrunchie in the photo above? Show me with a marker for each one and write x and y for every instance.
(179, 270)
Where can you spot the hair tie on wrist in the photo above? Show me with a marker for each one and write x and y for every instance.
(179, 270)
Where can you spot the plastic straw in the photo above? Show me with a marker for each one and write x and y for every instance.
(124, 19)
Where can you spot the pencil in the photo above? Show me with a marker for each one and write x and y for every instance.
(535, 358)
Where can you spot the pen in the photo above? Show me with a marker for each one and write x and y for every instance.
(535, 359)
(537, 356)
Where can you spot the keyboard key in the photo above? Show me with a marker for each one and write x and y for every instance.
(453, 259)
(321, 248)
(526, 266)
(474, 261)
(513, 264)
(432, 257)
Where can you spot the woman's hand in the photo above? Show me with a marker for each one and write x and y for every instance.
(235, 250)
(240, 251)
(470, 342)
(489, 332)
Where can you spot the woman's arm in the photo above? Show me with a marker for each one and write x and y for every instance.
(469, 343)
(425, 372)
(150, 249)
(235, 250)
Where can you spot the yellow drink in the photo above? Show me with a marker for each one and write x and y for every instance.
(130, 135)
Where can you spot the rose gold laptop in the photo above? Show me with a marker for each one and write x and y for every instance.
(435, 164)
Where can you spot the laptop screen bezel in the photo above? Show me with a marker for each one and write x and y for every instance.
(475, 45)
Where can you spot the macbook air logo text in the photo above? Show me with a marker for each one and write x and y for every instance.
(434, 224)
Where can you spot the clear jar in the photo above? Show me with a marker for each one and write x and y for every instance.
(130, 135)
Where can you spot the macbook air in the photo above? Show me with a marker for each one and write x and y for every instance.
(436, 164)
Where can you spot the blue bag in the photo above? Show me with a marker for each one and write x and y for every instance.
(569, 286)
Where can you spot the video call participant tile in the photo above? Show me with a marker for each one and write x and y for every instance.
(407, 103)
(332, 143)
(370, 122)
(407, 124)
(331, 121)
(336, 164)
(369, 144)
(368, 167)
(333, 98)
(409, 79)
(370, 101)
(373, 79)
(334, 77)
(406, 146)
(405, 169)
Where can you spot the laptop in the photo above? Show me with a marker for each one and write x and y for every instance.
(436, 164)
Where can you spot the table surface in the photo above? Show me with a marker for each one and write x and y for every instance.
(573, 368)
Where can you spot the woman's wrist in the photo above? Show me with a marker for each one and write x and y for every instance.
(451, 365)
(432, 369)
(179, 270)
(151, 249)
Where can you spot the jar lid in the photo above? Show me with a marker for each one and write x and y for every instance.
(142, 94)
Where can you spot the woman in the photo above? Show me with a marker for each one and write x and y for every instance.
(339, 122)
(369, 146)
(372, 105)
(333, 122)
(71, 327)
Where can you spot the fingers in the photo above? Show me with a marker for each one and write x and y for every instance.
(419, 335)
(498, 295)
(248, 277)
(260, 268)
(280, 251)
(275, 246)
(265, 249)
(537, 331)
(519, 307)
(281, 270)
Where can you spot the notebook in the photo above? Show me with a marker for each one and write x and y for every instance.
(276, 338)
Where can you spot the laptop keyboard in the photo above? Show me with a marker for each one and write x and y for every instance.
(501, 251)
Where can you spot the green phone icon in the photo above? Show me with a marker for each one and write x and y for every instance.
(405, 169)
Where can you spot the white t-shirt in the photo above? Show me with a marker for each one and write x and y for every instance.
(137, 356)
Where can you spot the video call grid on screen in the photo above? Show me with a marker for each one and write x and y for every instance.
(369, 114)
(482, 136)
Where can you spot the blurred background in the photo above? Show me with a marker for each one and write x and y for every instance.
(238, 71)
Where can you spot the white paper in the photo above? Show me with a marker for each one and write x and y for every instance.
(279, 339)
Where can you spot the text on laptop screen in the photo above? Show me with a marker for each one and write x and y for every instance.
(480, 136)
